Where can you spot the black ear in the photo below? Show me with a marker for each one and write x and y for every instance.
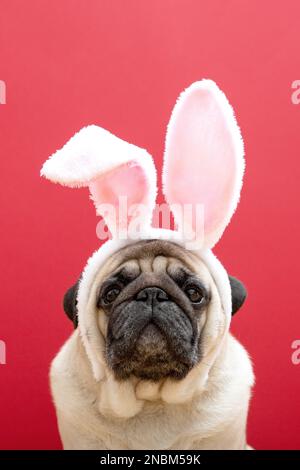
(70, 303)
(238, 293)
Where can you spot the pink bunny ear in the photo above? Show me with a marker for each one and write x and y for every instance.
(204, 162)
(114, 171)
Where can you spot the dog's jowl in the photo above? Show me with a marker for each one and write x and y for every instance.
(151, 363)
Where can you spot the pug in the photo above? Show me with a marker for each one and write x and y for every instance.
(151, 363)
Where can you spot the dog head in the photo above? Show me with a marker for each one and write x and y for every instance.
(153, 301)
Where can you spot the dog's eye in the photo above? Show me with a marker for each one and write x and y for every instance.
(111, 294)
(194, 294)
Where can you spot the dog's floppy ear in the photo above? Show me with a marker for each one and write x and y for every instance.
(70, 303)
(238, 293)
(203, 164)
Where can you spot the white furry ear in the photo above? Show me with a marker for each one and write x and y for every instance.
(113, 170)
(203, 163)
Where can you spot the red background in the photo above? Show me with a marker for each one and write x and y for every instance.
(121, 64)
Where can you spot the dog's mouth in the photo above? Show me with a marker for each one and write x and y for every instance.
(150, 359)
(163, 345)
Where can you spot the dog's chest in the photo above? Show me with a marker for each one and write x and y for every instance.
(159, 426)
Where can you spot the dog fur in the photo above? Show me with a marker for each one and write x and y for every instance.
(145, 414)
(101, 403)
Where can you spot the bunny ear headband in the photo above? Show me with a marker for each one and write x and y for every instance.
(203, 167)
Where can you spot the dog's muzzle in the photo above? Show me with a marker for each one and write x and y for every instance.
(151, 336)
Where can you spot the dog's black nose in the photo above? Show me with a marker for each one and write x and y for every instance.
(152, 295)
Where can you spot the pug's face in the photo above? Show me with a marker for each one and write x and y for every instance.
(154, 302)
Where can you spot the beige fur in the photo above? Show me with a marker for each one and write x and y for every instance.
(206, 410)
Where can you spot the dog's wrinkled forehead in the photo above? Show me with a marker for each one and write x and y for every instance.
(156, 257)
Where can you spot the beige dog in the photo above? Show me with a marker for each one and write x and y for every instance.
(151, 363)
(159, 391)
